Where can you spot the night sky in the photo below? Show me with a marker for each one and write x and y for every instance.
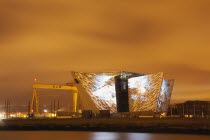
(48, 39)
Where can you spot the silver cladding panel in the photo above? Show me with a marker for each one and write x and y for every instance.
(165, 95)
(100, 88)
(144, 91)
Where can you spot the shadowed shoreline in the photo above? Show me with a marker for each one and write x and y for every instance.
(188, 126)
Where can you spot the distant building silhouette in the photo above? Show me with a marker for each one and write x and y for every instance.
(190, 109)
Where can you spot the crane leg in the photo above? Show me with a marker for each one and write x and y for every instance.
(34, 107)
(75, 95)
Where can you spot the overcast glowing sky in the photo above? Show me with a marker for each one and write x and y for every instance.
(49, 38)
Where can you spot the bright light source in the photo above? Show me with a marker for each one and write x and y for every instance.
(53, 115)
(1, 116)
(12, 115)
(45, 110)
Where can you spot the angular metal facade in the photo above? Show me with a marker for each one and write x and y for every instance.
(100, 88)
(165, 95)
(143, 92)
(106, 91)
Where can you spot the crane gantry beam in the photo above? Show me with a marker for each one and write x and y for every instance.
(69, 87)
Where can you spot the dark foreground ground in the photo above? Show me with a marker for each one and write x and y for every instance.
(195, 126)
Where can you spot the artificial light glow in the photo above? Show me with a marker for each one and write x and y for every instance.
(53, 115)
(12, 115)
(101, 89)
(165, 95)
(1, 116)
(105, 90)
(143, 92)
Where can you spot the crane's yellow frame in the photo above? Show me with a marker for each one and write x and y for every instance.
(35, 100)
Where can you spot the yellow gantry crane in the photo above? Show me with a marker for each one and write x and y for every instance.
(34, 108)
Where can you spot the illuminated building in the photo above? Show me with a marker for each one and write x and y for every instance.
(123, 91)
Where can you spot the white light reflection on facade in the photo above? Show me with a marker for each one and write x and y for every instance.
(144, 91)
(165, 95)
(100, 88)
